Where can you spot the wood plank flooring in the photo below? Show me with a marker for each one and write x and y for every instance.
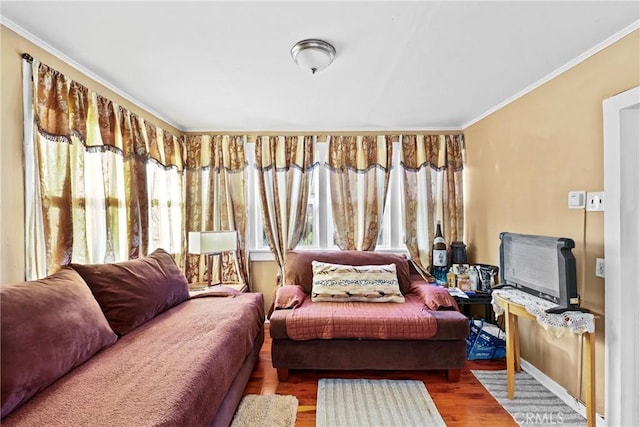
(464, 403)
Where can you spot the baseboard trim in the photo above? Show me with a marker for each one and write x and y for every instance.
(559, 391)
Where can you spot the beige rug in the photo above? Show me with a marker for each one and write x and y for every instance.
(379, 403)
(267, 410)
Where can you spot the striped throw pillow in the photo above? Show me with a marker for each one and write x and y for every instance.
(364, 283)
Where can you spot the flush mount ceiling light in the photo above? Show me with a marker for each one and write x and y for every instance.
(313, 55)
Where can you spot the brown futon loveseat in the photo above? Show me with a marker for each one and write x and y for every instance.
(340, 330)
(125, 345)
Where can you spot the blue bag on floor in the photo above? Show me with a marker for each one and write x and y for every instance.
(484, 341)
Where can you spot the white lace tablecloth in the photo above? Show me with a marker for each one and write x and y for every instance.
(573, 321)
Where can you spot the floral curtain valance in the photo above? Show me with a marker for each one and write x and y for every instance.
(360, 153)
(215, 151)
(434, 151)
(65, 108)
(285, 152)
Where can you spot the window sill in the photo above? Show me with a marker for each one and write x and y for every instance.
(261, 255)
(266, 255)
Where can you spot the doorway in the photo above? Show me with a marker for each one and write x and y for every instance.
(622, 257)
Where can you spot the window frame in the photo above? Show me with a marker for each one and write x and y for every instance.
(392, 224)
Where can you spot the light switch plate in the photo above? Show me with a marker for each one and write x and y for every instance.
(577, 199)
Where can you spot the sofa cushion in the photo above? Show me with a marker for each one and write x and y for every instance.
(364, 283)
(49, 326)
(298, 270)
(133, 292)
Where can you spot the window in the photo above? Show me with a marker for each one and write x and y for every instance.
(318, 231)
(392, 227)
(165, 208)
(310, 235)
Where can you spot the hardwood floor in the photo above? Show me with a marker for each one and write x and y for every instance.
(464, 403)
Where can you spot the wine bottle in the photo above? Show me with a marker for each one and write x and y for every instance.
(439, 257)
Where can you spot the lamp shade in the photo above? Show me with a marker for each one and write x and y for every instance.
(313, 55)
(211, 242)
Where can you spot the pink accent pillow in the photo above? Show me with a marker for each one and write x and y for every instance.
(49, 327)
(133, 292)
(434, 296)
(289, 296)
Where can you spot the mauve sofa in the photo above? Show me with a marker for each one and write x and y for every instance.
(125, 345)
(364, 345)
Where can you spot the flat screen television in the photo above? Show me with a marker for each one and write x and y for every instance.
(542, 266)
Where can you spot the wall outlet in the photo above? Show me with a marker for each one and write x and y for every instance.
(600, 267)
(595, 201)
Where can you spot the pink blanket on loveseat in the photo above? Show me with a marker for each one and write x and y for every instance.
(327, 320)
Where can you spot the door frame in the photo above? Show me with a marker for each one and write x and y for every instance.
(622, 298)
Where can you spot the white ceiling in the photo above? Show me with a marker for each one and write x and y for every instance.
(225, 66)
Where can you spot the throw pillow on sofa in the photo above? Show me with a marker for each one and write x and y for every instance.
(49, 327)
(289, 296)
(364, 283)
(434, 297)
(133, 292)
(298, 269)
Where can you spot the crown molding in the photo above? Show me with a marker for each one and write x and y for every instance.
(597, 48)
(84, 70)
(358, 131)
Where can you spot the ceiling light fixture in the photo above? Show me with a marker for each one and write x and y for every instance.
(313, 55)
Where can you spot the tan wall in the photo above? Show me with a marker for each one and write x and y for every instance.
(521, 163)
(263, 279)
(11, 170)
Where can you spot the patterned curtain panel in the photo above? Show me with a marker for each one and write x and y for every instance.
(285, 170)
(359, 168)
(452, 191)
(215, 200)
(89, 165)
(432, 177)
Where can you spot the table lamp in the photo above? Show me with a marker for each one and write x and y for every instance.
(212, 243)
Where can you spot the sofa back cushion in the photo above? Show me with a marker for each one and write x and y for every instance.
(298, 269)
(49, 326)
(133, 292)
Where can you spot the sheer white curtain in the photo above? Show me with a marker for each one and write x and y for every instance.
(35, 245)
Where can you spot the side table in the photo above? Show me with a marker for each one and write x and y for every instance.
(514, 305)
(479, 298)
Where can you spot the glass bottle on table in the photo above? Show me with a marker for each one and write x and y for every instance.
(473, 278)
(439, 257)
